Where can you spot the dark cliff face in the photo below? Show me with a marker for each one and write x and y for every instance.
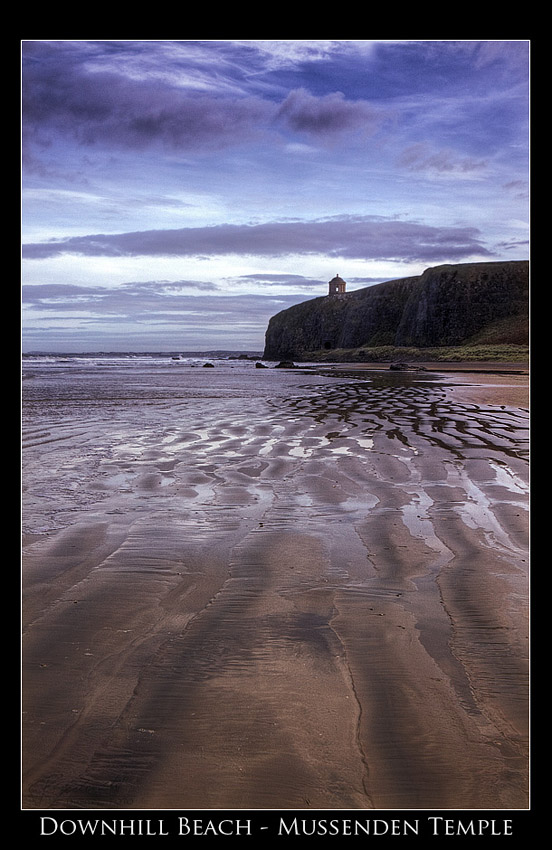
(446, 305)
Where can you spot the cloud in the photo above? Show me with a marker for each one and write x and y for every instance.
(422, 157)
(134, 306)
(62, 96)
(138, 115)
(354, 237)
(332, 113)
(518, 245)
(270, 279)
(51, 295)
(518, 189)
(119, 96)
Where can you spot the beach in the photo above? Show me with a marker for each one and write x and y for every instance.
(291, 589)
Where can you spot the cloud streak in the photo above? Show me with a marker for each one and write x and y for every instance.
(354, 237)
(422, 157)
(149, 308)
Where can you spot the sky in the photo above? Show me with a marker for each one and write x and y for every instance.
(177, 194)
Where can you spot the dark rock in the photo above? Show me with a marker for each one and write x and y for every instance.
(208, 365)
(402, 367)
(260, 365)
(286, 364)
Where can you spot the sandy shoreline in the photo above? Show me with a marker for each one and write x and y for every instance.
(479, 382)
(276, 592)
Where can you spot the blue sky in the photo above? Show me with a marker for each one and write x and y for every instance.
(176, 194)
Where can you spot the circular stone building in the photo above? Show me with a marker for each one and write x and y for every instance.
(336, 286)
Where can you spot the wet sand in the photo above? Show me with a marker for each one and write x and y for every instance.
(275, 590)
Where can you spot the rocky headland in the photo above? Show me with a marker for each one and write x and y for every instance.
(465, 305)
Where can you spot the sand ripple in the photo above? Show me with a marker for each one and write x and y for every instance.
(310, 595)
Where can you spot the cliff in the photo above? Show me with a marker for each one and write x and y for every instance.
(449, 305)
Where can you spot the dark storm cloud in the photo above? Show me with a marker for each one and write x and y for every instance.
(193, 96)
(331, 113)
(361, 237)
(110, 109)
(66, 95)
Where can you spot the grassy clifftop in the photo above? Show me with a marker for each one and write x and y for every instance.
(450, 306)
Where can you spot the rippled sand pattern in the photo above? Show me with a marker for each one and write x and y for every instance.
(262, 590)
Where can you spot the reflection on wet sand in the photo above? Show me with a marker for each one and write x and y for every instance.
(313, 595)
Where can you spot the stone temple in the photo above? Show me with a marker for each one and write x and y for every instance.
(336, 286)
